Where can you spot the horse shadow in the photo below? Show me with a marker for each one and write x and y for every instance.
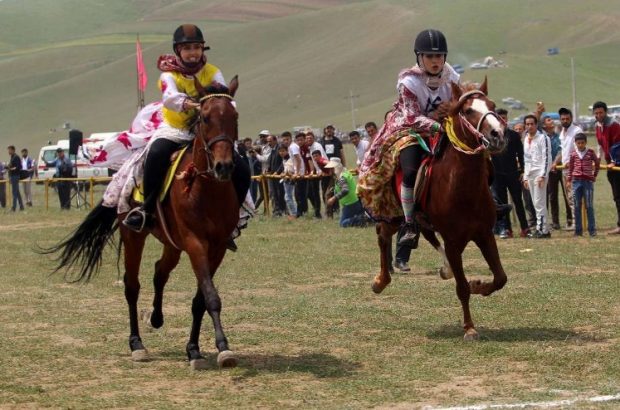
(516, 334)
(320, 365)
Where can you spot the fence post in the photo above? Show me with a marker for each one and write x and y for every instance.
(266, 203)
(92, 193)
(47, 193)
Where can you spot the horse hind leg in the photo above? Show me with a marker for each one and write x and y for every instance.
(488, 247)
(163, 267)
(133, 246)
(445, 272)
(384, 238)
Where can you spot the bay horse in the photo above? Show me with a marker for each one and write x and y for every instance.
(460, 206)
(201, 214)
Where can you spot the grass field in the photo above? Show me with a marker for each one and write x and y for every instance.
(299, 312)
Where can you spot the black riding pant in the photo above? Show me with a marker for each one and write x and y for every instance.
(410, 161)
(158, 161)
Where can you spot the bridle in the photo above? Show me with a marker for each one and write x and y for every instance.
(207, 145)
(467, 127)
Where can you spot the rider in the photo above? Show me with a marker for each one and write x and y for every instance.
(424, 92)
(179, 110)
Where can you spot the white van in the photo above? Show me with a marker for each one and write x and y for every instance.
(82, 168)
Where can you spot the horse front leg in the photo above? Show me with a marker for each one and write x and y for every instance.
(168, 261)
(445, 272)
(488, 247)
(205, 268)
(133, 245)
(384, 238)
(454, 255)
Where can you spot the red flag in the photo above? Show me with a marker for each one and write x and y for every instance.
(142, 78)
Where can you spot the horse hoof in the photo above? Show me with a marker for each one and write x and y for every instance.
(226, 358)
(198, 364)
(377, 288)
(471, 335)
(445, 273)
(140, 355)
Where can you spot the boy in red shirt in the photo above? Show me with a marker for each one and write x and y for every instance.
(582, 171)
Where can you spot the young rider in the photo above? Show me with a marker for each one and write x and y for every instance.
(421, 91)
(179, 110)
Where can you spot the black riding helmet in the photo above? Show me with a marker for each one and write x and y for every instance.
(187, 33)
(430, 42)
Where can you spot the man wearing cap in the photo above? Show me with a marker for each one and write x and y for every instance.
(64, 169)
(352, 213)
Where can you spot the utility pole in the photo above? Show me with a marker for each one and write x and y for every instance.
(352, 98)
(572, 70)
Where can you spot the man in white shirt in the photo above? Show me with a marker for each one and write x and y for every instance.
(537, 161)
(360, 146)
(567, 139)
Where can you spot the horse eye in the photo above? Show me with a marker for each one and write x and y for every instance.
(205, 120)
(469, 111)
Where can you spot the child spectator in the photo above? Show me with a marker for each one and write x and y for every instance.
(582, 172)
(289, 185)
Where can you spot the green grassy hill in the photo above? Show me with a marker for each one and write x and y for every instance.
(298, 61)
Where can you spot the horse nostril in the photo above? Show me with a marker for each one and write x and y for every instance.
(494, 133)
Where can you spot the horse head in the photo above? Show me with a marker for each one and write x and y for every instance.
(217, 129)
(476, 113)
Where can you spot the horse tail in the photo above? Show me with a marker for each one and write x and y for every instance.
(84, 246)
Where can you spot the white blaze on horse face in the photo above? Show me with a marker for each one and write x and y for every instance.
(480, 106)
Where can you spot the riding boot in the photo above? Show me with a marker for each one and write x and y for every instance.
(410, 236)
(231, 245)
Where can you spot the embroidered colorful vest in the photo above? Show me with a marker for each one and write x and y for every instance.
(185, 85)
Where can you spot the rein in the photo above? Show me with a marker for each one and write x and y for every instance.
(209, 172)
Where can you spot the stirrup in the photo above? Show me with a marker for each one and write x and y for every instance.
(139, 211)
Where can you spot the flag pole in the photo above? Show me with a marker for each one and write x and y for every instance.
(138, 74)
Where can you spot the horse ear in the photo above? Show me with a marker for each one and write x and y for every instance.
(456, 91)
(199, 87)
(483, 87)
(233, 85)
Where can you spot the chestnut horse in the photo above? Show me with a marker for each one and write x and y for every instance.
(460, 206)
(201, 215)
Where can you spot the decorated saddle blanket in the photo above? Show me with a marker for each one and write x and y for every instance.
(175, 160)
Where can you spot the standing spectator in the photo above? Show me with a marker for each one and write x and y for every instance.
(15, 166)
(274, 166)
(608, 137)
(555, 175)
(26, 175)
(519, 128)
(508, 167)
(333, 149)
(64, 169)
(537, 161)
(352, 213)
(2, 186)
(371, 130)
(314, 190)
(360, 146)
(288, 169)
(582, 171)
(301, 186)
(294, 151)
(567, 139)
(255, 168)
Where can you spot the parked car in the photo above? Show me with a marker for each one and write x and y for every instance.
(458, 68)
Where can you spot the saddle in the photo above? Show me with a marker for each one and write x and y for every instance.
(175, 160)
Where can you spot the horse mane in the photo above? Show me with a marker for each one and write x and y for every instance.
(216, 88)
